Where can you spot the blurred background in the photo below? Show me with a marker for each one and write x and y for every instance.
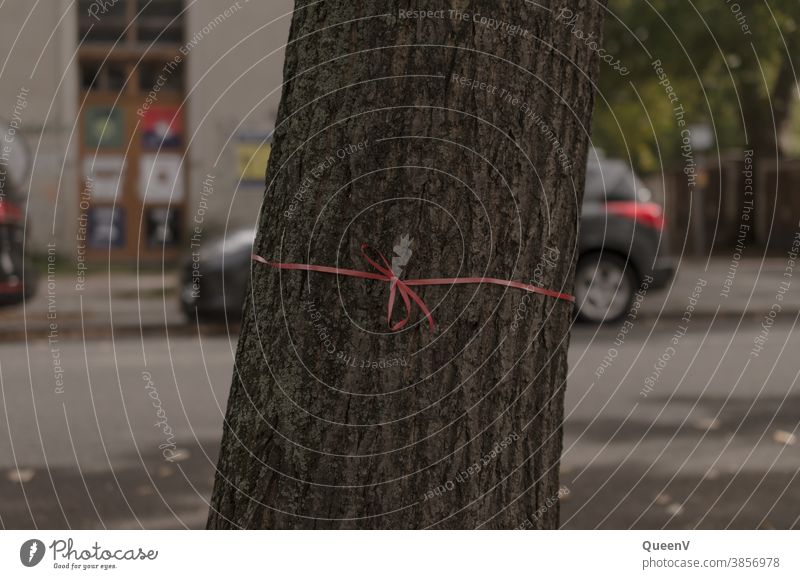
(136, 136)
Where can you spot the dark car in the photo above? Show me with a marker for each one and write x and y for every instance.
(622, 242)
(214, 279)
(13, 286)
(621, 245)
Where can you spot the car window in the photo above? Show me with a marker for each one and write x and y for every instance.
(610, 180)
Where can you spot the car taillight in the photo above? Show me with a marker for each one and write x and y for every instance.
(649, 214)
(9, 213)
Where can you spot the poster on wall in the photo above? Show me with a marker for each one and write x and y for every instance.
(163, 227)
(103, 176)
(162, 128)
(161, 178)
(106, 227)
(103, 127)
(252, 156)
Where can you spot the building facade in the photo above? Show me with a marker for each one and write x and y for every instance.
(146, 123)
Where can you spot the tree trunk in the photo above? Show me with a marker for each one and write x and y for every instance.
(334, 420)
(784, 91)
(766, 110)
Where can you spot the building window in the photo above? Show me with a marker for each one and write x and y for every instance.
(160, 21)
(132, 119)
(111, 76)
(131, 22)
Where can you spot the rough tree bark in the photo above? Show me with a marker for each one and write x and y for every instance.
(333, 420)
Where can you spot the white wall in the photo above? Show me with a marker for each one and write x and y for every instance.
(232, 71)
(37, 48)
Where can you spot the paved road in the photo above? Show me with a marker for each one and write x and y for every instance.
(105, 420)
(147, 302)
(710, 445)
(693, 434)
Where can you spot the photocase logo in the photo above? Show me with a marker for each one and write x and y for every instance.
(31, 553)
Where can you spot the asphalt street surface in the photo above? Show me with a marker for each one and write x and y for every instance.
(675, 425)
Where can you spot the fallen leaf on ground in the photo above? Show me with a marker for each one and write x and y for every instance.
(707, 424)
(783, 437)
(164, 471)
(21, 475)
(180, 455)
(674, 509)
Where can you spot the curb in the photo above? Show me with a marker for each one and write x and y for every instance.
(98, 331)
(104, 332)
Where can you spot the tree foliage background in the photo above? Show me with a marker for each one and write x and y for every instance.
(724, 74)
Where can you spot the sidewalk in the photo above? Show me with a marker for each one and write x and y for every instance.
(148, 303)
(119, 301)
(749, 287)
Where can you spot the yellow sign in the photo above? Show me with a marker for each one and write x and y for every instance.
(252, 158)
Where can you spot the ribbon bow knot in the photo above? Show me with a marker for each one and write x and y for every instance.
(403, 287)
(396, 285)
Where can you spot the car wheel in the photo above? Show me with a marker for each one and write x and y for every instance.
(605, 285)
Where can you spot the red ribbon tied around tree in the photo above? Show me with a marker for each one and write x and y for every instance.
(403, 287)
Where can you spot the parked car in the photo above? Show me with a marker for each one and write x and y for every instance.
(621, 243)
(16, 282)
(17, 278)
(214, 279)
